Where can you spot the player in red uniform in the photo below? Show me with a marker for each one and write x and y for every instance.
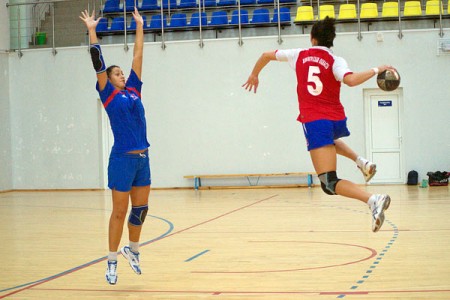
(319, 76)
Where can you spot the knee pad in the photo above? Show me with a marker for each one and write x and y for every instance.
(328, 182)
(137, 215)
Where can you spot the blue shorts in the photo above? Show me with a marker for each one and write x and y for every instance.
(126, 170)
(323, 132)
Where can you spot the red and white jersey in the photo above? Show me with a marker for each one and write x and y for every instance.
(319, 75)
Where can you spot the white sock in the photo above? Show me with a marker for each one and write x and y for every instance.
(361, 161)
(372, 200)
(112, 256)
(134, 246)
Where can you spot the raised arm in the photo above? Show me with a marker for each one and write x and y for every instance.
(361, 77)
(96, 53)
(138, 44)
(253, 81)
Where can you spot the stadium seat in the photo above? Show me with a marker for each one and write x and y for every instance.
(132, 26)
(219, 18)
(265, 1)
(155, 22)
(111, 6)
(248, 2)
(347, 11)
(304, 13)
(412, 8)
(195, 20)
(117, 24)
(187, 4)
(432, 8)
(227, 3)
(369, 10)
(102, 25)
(288, 1)
(169, 4)
(178, 20)
(149, 5)
(260, 15)
(326, 10)
(235, 17)
(389, 9)
(285, 15)
(129, 4)
(208, 3)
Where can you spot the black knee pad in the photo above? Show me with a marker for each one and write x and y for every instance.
(328, 182)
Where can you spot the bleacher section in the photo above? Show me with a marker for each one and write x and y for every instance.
(184, 14)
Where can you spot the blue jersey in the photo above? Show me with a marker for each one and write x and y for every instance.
(126, 115)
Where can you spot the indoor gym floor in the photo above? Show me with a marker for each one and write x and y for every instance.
(289, 243)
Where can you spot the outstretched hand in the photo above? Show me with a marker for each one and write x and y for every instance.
(89, 20)
(137, 17)
(252, 83)
(383, 68)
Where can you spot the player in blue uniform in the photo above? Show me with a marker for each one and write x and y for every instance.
(129, 174)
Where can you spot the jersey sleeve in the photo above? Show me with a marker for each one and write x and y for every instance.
(340, 68)
(288, 55)
(134, 82)
(106, 92)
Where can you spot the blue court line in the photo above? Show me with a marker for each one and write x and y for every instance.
(195, 256)
(91, 262)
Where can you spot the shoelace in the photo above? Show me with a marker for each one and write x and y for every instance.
(112, 268)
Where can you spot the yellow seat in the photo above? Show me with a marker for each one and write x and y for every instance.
(304, 13)
(347, 11)
(432, 8)
(326, 10)
(412, 8)
(369, 10)
(389, 9)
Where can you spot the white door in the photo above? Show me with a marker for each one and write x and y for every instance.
(384, 134)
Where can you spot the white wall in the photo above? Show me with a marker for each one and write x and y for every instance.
(200, 119)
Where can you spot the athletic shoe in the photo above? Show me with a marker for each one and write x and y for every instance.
(111, 272)
(381, 204)
(368, 169)
(133, 259)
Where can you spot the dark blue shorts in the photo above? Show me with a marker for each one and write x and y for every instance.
(323, 132)
(126, 170)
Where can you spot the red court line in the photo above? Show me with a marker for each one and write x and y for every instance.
(177, 232)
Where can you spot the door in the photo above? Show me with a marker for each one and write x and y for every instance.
(384, 134)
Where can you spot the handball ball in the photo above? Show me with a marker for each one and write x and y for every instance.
(388, 80)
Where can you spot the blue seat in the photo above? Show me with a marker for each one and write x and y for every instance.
(288, 1)
(219, 18)
(155, 22)
(266, 1)
(129, 5)
(248, 2)
(133, 23)
(260, 15)
(169, 3)
(195, 20)
(187, 4)
(102, 25)
(285, 15)
(235, 17)
(117, 24)
(149, 5)
(208, 3)
(111, 6)
(178, 20)
(227, 3)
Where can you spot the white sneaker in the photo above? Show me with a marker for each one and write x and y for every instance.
(381, 204)
(368, 169)
(132, 257)
(111, 272)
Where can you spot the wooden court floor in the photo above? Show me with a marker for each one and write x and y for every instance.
(292, 243)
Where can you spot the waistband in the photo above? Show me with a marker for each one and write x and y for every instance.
(131, 155)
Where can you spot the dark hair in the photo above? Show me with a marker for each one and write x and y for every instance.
(109, 70)
(324, 32)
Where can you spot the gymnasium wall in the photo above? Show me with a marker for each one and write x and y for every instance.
(4, 26)
(200, 119)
